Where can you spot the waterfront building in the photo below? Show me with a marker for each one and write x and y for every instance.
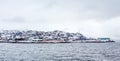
(104, 39)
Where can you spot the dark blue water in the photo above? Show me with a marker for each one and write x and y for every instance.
(60, 52)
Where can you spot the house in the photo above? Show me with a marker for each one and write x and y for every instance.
(34, 39)
(104, 39)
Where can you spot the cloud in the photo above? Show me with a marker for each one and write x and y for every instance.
(104, 8)
(112, 28)
(14, 20)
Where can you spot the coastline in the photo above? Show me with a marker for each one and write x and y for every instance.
(28, 42)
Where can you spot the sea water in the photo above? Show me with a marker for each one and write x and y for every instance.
(60, 52)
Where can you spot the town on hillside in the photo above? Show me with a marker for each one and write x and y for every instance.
(30, 36)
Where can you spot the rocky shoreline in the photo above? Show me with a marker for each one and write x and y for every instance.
(61, 42)
(56, 36)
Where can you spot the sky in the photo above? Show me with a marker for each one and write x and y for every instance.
(92, 18)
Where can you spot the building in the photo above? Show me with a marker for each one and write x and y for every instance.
(104, 39)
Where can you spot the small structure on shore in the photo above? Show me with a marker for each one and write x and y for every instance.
(36, 40)
(105, 39)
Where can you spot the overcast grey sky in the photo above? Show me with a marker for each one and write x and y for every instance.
(92, 18)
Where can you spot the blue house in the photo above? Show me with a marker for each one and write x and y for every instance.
(103, 39)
